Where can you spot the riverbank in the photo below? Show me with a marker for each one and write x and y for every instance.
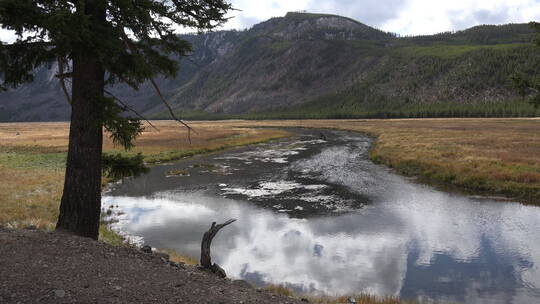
(32, 162)
(435, 144)
(316, 215)
(52, 267)
(64, 268)
(486, 156)
(479, 156)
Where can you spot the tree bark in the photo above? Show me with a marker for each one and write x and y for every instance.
(80, 207)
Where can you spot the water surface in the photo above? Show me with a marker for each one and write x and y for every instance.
(316, 215)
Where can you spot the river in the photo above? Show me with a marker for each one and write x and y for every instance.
(315, 214)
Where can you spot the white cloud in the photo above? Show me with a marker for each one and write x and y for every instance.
(427, 17)
(252, 12)
(7, 36)
(406, 17)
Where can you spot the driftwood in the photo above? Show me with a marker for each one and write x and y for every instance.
(206, 260)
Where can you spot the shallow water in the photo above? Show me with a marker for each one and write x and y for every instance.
(316, 215)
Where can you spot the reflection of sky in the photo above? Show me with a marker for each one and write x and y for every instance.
(413, 241)
(467, 252)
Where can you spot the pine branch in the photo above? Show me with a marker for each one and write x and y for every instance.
(124, 105)
(128, 43)
(129, 108)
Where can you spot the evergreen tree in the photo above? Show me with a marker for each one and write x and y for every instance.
(97, 43)
(529, 86)
(535, 86)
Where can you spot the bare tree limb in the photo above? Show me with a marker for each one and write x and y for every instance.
(171, 110)
(130, 46)
(125, 105)
(206, 260)
(61, 77)
(129, 108)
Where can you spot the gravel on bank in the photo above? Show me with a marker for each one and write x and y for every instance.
(54, 267)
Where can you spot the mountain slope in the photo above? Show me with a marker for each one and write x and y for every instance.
(43, 100)
(317, 63)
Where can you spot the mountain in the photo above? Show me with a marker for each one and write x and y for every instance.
(320, 64)
(43, 100)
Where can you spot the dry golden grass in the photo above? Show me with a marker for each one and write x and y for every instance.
(498, 156)
(360, 298)
(279, 289)
(29, 197)
(53, 136)
(180, 258)
(32, 157)
(494, 156)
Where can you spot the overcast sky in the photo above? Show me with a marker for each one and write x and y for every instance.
(405, 17)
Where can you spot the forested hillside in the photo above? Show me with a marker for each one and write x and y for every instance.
(315, 65)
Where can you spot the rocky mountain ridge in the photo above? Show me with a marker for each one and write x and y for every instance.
(317, 62)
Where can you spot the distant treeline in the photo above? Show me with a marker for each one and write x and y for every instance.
(389, 111)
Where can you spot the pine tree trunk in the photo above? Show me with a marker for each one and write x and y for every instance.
(80, 207)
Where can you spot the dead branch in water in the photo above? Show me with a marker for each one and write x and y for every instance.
(206, 260)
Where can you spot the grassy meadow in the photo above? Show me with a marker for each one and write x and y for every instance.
(360, 298)
(487, 156)
(32, 162)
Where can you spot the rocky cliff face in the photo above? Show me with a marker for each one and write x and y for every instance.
(302, 26)
(313, 59)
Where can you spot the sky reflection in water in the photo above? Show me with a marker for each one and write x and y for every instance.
(411, 241)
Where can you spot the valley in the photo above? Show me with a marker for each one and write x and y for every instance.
(353, 152)
(320, 66)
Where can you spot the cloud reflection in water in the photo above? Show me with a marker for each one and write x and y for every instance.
(412, 241)
(368, 251)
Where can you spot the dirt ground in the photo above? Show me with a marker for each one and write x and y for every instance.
(53, 267)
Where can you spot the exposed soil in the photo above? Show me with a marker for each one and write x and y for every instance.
(54, 267)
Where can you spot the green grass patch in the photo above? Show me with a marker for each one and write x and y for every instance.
(109, 236)
(325, 299)
(28, 160)
(452, 51)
